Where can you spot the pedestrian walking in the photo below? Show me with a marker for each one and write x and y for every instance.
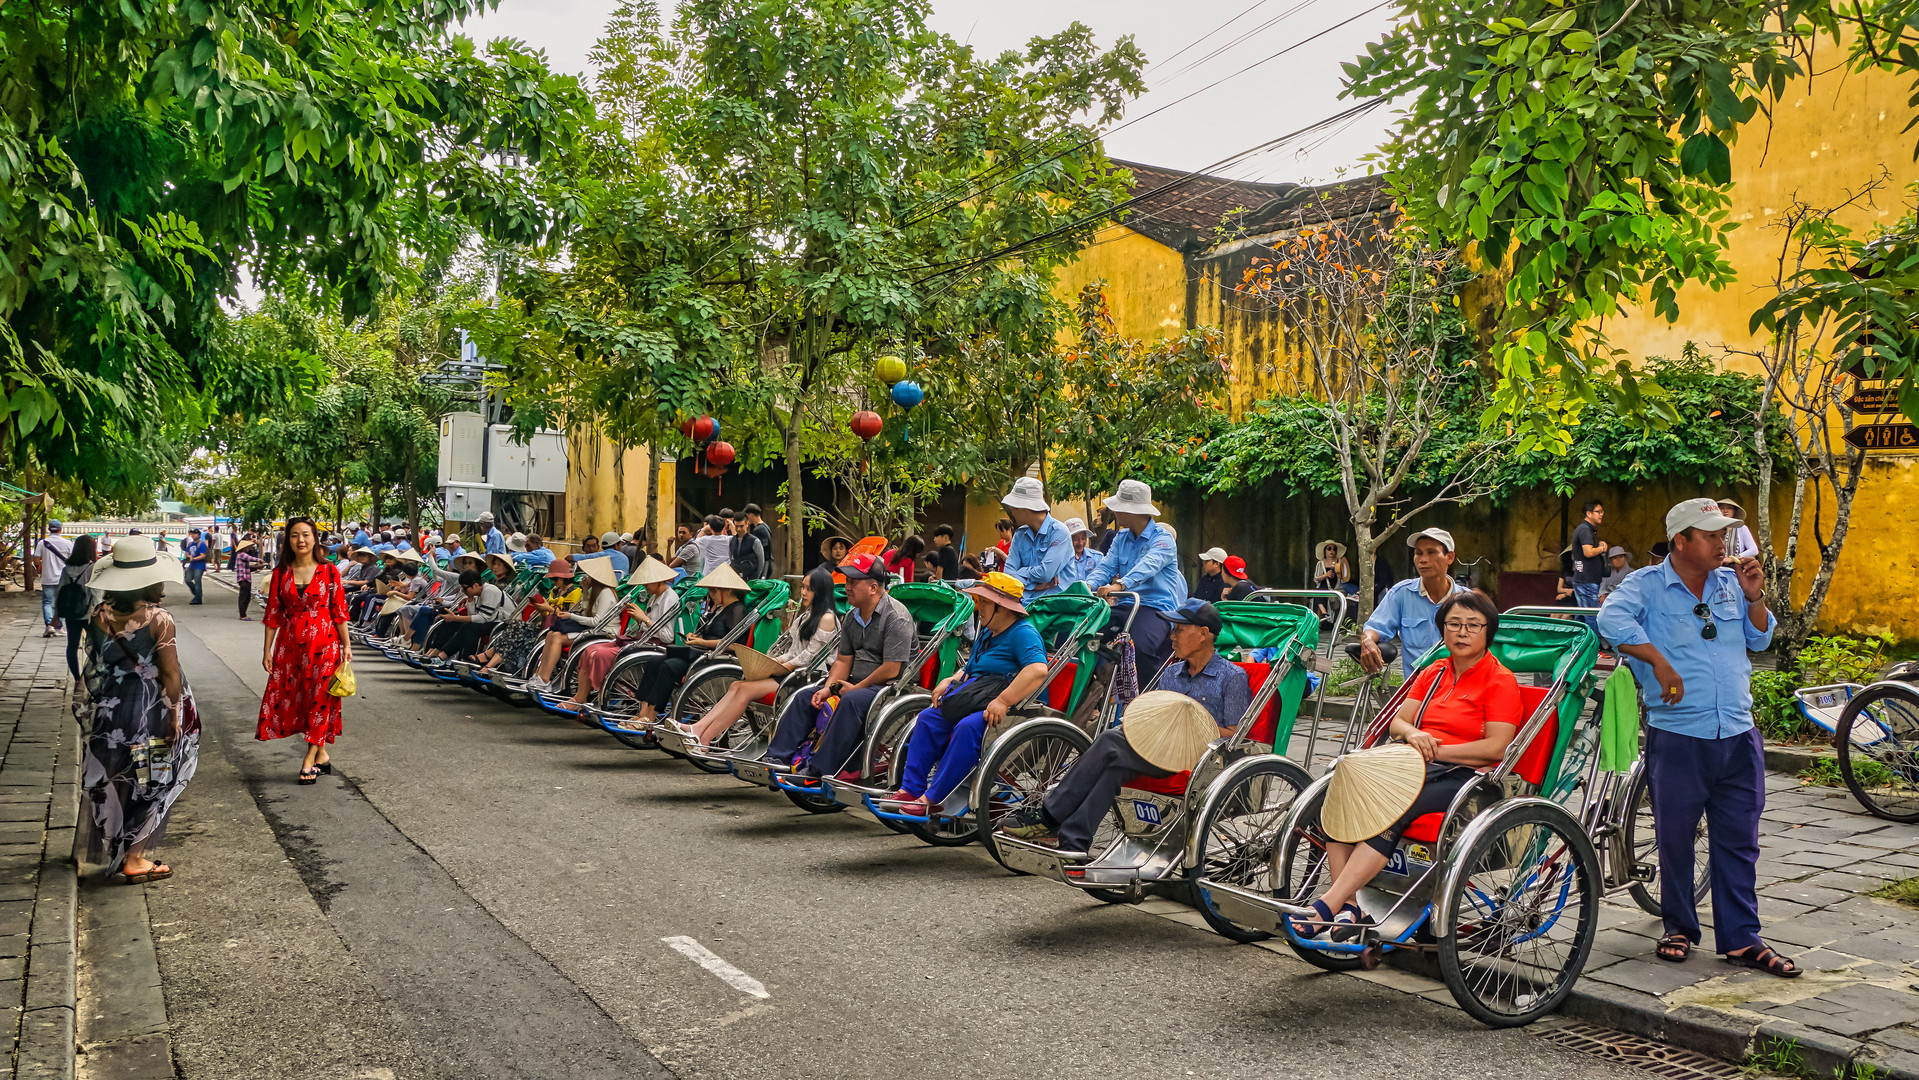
(74, 601)
(306, 641)
(195, 549)
(52, 552)
(143, 731)
(1685, 628)
(1589, 556)
(245, 562)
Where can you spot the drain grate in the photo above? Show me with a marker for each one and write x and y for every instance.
(1634, 1052)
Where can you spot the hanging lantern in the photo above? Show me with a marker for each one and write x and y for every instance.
(907, 394)
(705, 429)
(720, 453)
(709, 470)
(890, 369)
(865, 423)
(686, 426)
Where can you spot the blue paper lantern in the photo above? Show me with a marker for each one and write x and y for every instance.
(907, 393)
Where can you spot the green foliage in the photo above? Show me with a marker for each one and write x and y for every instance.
(1776, 712)
(1582, 149)
(1841, 659)
(1825, 772)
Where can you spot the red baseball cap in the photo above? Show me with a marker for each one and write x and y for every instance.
(1236, 567)
(869, 567)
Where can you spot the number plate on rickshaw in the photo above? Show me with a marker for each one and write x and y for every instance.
(753, 772)
(1410, 859)
(1144, 812)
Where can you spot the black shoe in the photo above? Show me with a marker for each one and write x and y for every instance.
(773, 760)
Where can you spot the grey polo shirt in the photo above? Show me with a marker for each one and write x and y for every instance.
(886, 638)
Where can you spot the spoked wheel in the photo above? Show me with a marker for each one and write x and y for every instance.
(700, 693)
(885, 752)
(813, 804)
(1238, 834)
(621, 693)
(1301, 872)
(1878, 739)
(1645, 849)
(1524, 908)
(945, 832)
(1020, 769)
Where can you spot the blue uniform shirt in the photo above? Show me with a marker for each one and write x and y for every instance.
(1221, 686)
(1406, 613)
(495, 542)
(1147, 564)
(1006, 653)
(1652, 606)
(359, 538)
(536, 557)
(1038, 558)
(618, 557)
(1081, 568)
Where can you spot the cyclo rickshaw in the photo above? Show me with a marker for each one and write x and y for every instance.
(1070, 623)
(1504, 886)
(938, 611)
(618, 701)
(510, 686)
(1146, 840)
(1876, 731)
(517, 590)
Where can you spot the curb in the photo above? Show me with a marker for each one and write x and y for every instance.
(46, 1042)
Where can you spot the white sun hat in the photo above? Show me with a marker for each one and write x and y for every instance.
(1132, 497)
(134, 564)
(1027, 494)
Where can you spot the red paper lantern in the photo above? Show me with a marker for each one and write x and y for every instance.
(686, 426)
(708, 470)
(865, 423)
(720, 453)
(705, 428)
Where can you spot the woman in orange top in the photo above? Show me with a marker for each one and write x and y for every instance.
(1460, 714)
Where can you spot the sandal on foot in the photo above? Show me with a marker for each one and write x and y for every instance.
(1306, 930)
(1761, 957)
(1674, 948)
(309, 775)
(1346, 929)
(154, 873)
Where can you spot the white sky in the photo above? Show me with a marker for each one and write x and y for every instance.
(1272, 99)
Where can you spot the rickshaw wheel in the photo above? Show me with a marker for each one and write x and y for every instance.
(1879, 750)
(1524, 911)
(1019, 769)
(813, 804)
(885, 750)
(1300, 874)
(623, 685)
(1237, 835)
(1645, 848)
(945, 832)
(702, 691)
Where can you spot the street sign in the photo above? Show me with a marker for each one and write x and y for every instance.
(1884, 437)
(1874, 399)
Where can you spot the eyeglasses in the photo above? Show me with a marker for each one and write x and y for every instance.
(1704, 611)
(1454, 626)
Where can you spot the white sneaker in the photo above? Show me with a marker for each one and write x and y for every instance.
(537, 685)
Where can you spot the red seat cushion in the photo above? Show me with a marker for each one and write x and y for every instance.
(929, 671)
(1262, 730)
(1060, 690)
(1531, 766)
(1174, 785)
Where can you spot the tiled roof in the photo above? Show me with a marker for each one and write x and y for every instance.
(1187, 214)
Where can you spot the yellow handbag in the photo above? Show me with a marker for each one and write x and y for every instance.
(342, 684)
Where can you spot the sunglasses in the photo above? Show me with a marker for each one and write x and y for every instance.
(1704, 611)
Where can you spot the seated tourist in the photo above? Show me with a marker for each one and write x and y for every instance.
(725, 607)
(653, 624)
(1007, 663)
(592, 611)
(1460, 726)
(796, 648)
(485, 605)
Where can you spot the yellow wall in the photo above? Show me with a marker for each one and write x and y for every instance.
(606, 490)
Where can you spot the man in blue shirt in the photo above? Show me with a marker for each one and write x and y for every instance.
(195, 549)
(604, 546)
(495, 540)
(449, 548)
(1685, 627)
(1143, 559)
(1085, 558)
(1041, 545)
(536, 553)
(1406, 611)
(1072, 810)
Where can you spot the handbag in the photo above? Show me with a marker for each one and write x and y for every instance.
(972, 696)
(342, 683)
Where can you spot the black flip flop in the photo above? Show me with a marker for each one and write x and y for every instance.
(1670, 942)
(309, 776)
(1763, 958)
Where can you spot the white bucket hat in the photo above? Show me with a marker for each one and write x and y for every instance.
(486, 518)
(1132, 497)
(1075, 526)
(516, 542)
(134, 564)
(1027, 494)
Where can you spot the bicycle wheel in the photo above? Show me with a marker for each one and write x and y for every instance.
(1301, 872)
(1645, 849)
(945, 832)
(620, 694)
(884, 754)
(1237, 835)
(1022, 766)
(1878, 739)
(1517, 914)
(812, 804)
(700, 693)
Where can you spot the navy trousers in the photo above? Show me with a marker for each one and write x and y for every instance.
(844, 734)
(1085, 794)
(1724, 779)
(1152, 639)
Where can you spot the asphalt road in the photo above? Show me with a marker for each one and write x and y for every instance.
(481, 891)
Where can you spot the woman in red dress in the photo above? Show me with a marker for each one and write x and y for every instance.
(306, 640)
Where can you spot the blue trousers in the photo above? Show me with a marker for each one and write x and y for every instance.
(947, 749)
(195, 572)
(1724, 779)
(1586, 594)
(46, 604)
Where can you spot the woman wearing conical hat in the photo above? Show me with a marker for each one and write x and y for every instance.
(725, 607)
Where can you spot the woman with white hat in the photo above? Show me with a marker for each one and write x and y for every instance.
(306, 641)
(796, 648)
(143, 731)
(725, 607)
(653, 623)
(593, 610)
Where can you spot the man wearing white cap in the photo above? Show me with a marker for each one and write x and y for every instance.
(1085, 558)
(1685, 627)
(1406, 611)
(1041, 545)
(604, 546)
(1212, 581)
(1143, 559)
(495, 540)
(52, 553)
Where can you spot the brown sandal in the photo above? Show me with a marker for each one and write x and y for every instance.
(1761, 957)
(1674, 948)
(156, 873)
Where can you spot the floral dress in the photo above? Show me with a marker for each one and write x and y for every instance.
(130, 782)
(305, 652)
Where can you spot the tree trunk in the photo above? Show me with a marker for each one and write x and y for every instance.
(654, 532)
(410, 505)
(1365, 545)
(374, 484)
(339, 500)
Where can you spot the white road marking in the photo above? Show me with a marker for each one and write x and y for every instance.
(727, 973)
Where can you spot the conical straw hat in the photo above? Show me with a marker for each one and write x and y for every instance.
(650, 571)
(601, 570)
(1168, 729)
(393, 604)
(1370, 790)
(724, 578)
(755, 664)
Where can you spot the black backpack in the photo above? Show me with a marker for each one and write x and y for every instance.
(70, 600)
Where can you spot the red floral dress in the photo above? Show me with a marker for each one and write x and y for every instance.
(305, 652)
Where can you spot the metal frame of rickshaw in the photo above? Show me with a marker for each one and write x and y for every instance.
(516, 590)
(1149, 852)
(502, 683)
(773, 596)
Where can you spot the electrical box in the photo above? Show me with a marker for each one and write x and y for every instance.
(539, 465)
(466, 502)
(462, 448)
(546, 463)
